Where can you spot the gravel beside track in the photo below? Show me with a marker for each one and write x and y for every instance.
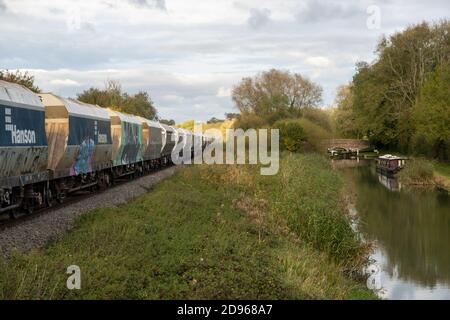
(37, 230)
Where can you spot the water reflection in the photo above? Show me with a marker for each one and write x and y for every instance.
(389, 182)
(412, 230)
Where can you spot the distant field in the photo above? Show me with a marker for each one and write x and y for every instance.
(217, 232)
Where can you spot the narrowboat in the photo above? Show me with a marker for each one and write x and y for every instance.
(389, 164)
(342, 153)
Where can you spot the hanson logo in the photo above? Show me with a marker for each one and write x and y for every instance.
(23, 136)
(18, 136)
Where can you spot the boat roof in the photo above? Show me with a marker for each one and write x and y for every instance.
(16, 95)
(391, 157)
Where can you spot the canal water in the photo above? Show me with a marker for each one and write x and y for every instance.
(411, 233)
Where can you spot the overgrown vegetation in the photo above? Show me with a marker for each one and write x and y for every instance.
(292, 134)
(218, 232)
(417, 172)
(401, 100)
(301, 134)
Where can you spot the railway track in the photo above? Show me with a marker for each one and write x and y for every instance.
(35, 230)
(6, 222)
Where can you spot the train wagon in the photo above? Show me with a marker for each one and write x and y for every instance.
(79, 139)
(23, 147)
(128, 145)
(152, 140)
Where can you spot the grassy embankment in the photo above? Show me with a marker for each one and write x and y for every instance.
(442, 175)
(425, 173)
(207, 232)
(442, 169)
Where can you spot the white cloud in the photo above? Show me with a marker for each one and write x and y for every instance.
(323, 11)
(320, 62)
(259, 17)
(160, 4)
(64, 83)
(189, 55)
(223, 92)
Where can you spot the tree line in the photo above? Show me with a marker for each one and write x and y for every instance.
(401, 101)
(111, 96)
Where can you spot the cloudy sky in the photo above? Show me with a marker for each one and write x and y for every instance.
(189, 53)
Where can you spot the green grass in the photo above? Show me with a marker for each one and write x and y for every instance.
(442, 168)
(220, 232)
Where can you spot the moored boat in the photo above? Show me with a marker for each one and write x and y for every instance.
(389, 164)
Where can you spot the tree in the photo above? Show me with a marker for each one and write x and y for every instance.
(431, 113)
(276, 94)
(214, 120)
(139, 104)
(385, 91)
(231, 116)
(344, 116)
(167, 122)
(23, 78)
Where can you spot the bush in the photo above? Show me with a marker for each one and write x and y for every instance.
(292, 135)
(300, 135)
(314, 134)
(318, 116)
(250, 121)
(417, 172)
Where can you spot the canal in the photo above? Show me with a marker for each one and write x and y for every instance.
(411, 233)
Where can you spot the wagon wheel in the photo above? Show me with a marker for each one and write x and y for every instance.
(13, 214)
(48, 197)
(60, 198)
(108, 180)
(29, 209)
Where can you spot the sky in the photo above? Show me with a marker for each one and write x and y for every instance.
(188, 54)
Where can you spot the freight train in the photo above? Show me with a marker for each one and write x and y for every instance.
(51, 147)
